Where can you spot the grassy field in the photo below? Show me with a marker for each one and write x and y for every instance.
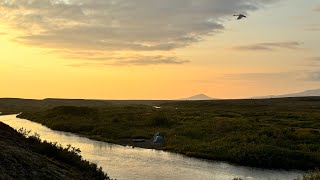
(271, 133)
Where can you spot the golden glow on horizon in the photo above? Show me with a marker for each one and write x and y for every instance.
(216, 68)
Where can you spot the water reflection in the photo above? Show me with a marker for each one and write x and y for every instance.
(126, 163)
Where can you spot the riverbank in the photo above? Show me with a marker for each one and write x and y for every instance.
(150, 164)
(274, 134)
(26, 157)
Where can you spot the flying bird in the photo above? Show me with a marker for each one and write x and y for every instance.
(240, 16)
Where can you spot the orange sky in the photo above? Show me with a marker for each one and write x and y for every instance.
(274, 51)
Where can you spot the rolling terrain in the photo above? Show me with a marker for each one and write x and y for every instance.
(269, 133)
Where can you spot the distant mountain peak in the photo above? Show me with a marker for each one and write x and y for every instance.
(198, 97)
(307, 93)
(312, 91)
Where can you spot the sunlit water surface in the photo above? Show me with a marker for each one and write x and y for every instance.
(127, 163)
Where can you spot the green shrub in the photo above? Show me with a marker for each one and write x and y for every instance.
(160, 120)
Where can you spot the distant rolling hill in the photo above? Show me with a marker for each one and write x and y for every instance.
(198, 97)
(308, 93)
(16, 105)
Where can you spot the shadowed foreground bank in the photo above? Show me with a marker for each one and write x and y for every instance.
(24, 157)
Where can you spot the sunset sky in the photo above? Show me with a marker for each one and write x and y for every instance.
(158, 49)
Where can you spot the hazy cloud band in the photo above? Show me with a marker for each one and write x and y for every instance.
(271, 46)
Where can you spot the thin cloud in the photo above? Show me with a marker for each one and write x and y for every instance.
(310, 62)
(315, 58)
(134, 61)
(313, 27)
(153, 61)
(298, 75)
(117, 25)
(317, 8)
(95, 55)
(312, 76)
(255, 76)
(291, 45)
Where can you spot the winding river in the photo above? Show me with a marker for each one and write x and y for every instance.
(127, 163)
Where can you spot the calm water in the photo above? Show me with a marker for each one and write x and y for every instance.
(126, 163)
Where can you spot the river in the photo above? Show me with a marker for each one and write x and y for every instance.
(122, 162)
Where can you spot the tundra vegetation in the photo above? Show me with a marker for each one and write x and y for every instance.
(269, 133)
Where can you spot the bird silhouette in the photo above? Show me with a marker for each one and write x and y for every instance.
(240, 16)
